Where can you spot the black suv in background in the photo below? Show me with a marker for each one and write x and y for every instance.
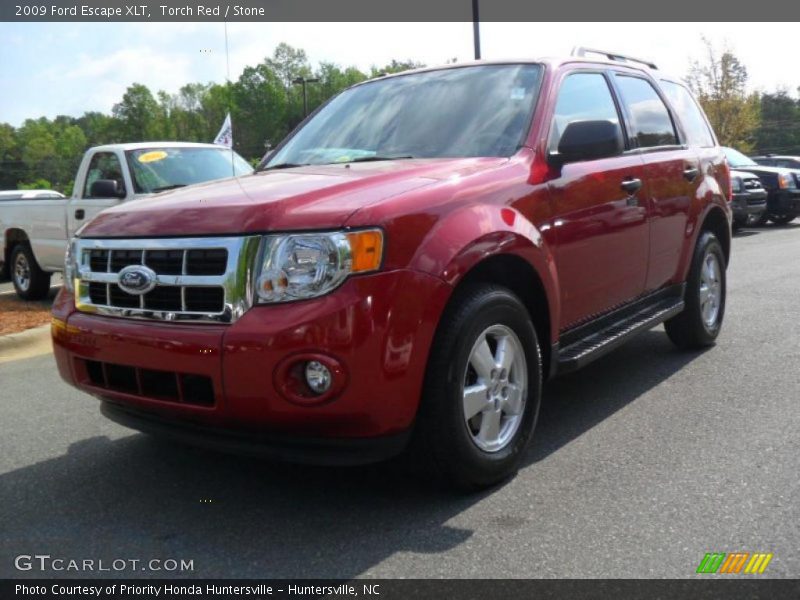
(749, 198)
(783, 194)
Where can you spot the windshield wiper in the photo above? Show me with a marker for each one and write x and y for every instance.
(168, 187)
(284, 166)
(377, 158)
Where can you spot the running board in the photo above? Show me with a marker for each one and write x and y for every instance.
(616, 330)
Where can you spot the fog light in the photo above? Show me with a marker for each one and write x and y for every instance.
(318, 377)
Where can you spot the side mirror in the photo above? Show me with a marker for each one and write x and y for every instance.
(588, 140)
(107, 188)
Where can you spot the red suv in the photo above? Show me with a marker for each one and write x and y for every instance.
(408, 267)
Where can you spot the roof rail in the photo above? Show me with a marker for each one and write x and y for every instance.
(615, 56)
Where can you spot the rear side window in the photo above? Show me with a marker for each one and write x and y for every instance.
(582, 97)
(652, 125)
(697, 131)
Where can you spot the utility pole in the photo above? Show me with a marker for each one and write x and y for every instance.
(303, 81)
(476, 29)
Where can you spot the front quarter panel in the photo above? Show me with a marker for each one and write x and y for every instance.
(445, 230)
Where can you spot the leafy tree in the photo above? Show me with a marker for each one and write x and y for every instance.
(779, 130)
(720, 83)
(139, 114)
(39, 184)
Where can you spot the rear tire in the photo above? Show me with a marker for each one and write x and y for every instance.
(30, 282)
(701, 320)
(482, 390)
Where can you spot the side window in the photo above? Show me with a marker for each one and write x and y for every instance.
(689, 112)
(652, 125)
(582, 97)
(104, 165)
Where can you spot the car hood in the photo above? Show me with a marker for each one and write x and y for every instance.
(312, 197)
(768, 175)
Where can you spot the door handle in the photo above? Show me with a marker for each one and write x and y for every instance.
(631, 185)
(79, 214)
(690, 173)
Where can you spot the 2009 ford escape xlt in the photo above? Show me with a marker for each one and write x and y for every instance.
(408, 267)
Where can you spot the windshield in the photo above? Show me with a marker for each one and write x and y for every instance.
(459, 112)
(157, 169)
(737, 159)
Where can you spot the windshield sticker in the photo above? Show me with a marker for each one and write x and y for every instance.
(152, 156)
(517, 93)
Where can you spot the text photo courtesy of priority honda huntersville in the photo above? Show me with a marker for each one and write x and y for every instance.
(407, 268)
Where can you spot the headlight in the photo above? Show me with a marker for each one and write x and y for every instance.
(736, 184)
(785, 181)
(70, 265)
(297, 267)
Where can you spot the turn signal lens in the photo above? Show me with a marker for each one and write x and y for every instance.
(366, 248)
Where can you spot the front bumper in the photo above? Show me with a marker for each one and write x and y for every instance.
(748, 203)
(378, 327)
(784, 202)
(318, 451)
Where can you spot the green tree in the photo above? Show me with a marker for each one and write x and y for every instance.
(720, 84)
(140, 116)
(11, 166)
(779, 129)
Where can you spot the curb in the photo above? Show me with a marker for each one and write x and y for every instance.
(25, 344)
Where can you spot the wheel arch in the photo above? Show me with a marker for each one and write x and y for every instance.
(518, 275)
(716, 221)
(12, 237)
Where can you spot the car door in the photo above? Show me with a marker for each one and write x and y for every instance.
(601, 227)
(84, 206)
(672, 173)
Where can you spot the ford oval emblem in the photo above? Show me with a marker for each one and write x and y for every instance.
(137, 279)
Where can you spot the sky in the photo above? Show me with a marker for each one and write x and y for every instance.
(47, 69)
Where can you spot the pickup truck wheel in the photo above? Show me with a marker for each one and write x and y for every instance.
(699, 324)
(782, 219)
(482, 390)
(30, 282)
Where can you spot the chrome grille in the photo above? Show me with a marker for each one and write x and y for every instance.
(197, 279)
(752, 184)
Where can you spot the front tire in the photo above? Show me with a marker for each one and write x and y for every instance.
(701, 320)
(482, 390)
(782, 219)
(30, 282)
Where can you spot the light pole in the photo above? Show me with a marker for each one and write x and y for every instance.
(476, 29)
(303, 81)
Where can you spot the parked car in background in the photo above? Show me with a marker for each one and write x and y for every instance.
(749, 198)
(410, 265)
(24, 195)
(773, 160)
(783, 193)
(34, 229)
(29, 194)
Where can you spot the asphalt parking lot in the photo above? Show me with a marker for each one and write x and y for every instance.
(642, 463)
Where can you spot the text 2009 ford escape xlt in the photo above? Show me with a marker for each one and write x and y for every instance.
(408, 268)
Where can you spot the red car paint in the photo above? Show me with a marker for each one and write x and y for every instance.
(589, 250)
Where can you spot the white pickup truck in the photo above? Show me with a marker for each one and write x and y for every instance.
(34, 231)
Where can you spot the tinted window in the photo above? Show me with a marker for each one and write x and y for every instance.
(651, 125)
(466, 111)
(691, 117)
(736, 159)
(788, 163)
(104, 165)
(582, 97)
